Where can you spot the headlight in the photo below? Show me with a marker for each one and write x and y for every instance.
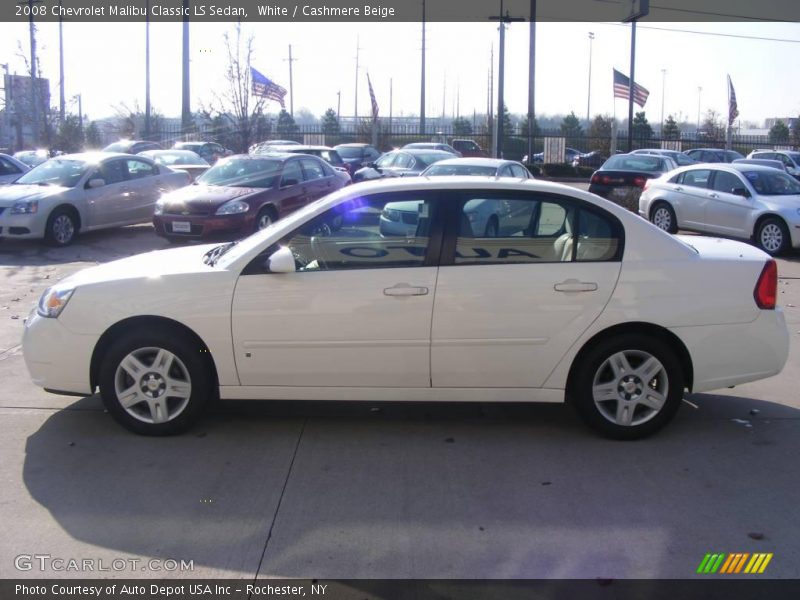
(29, 207)
(234, 207)
(159, 207)
(54, 300)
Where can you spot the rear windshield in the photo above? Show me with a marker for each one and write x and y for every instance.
(461, 170)
(635, 162)
(350, 152)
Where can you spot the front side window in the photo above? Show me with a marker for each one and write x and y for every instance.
(292, 174)
(8, 168)
(509, 230)
(386, 160)
(384, 231)
(112, 171)
(404, 161)
(726, 182)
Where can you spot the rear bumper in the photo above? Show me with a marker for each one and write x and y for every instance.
(731, 354)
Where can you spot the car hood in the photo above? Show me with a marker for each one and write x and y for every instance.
(207, 195)
(9, 194)
(150, 265)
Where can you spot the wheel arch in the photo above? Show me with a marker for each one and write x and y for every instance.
(71, 208)
(139, 323)
(763, 217)
(654, 204)
(640, 328)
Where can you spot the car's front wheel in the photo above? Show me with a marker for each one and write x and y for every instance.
(772, 236)
(628, 386)
(264, 219)
(61, 227)
(663, 217)
(155, 382)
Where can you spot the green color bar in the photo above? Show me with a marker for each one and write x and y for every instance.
(701, 568)
(718, 563)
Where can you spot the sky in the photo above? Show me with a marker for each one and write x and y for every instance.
(105, 64)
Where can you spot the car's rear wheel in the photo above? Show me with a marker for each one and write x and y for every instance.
(155, 382)
(663, 217)
(61, 227)
(772, 236)
(628, 387)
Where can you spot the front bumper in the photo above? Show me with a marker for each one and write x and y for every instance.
(205, 227)
(57, 358)
(21, 226)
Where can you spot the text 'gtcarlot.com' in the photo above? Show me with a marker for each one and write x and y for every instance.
(47, 562)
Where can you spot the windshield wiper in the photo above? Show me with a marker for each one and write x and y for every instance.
(212, 256)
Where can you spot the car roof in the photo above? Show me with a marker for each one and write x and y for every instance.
(296, 148)
(426, 151)
(352, 145)
(476, 161)
(275, 154)
(96, 156)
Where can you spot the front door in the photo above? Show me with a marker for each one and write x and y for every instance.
(515, 297)
(727, 213)
(357, 312)
(106, 204)
(293, 190)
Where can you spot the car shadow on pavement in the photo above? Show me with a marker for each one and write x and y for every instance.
(421, 489)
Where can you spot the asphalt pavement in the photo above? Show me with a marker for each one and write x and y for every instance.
(360, 490)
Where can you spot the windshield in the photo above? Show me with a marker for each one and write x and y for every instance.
(32, 158)
(795, 156)
(773, 183)
(243, 172)
(635, 162)
(461, 170)
(118, 147)
(429, 159)
(56, 171)
(350, 152)
(175, 157)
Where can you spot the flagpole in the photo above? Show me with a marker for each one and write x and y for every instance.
(728, 135)
(631, 83)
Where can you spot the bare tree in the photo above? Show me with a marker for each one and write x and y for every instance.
(243, 113)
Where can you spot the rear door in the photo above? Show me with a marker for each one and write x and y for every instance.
(727, 213)
(509, 307)
(146, 186)
(317, 177)
(689, 198)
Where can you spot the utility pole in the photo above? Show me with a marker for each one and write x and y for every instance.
(62, 102)
(338, 104)
(186, 111)
(291, 84)
(80, 111)
(390, 105)
(355, 109)
(147, 108)
(631, 84)
(6, 105)
(589, 87)
(490, 116)
(699, 91)
(34, 81)
(503, 19)
(444, 96)
(663, 87)
(422, 82)
(532, 80)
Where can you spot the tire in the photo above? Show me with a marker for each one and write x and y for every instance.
(662, 216)
(136, 376)
(61, 227)
(772, 236)
(607, 391)
(264, 219)
(492, 228)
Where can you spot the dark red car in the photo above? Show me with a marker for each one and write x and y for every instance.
(242, 194)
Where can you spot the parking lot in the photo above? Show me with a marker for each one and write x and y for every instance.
(360, 490)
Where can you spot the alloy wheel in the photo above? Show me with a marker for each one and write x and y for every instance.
(771, 237)
(63, 229)
(662, 218)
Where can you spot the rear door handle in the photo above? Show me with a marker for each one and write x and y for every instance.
(679, 189)
(573, 285)
(713, 195)
(403, 289)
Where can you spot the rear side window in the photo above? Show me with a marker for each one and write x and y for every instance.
(312, 169)
(545, 229)
(696, 178)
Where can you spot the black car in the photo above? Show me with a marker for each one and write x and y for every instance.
(211, 152)
(591, 159)
(357, 155)
(681, 159)
(400, 163)
(132, 146)
(713, 155)
(625, 173)
(329, 155)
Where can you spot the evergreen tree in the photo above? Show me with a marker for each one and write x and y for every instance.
(524, 128)
(92, 136)
(330, 122)
(70, 137)
(286, 125)
(779, 133)
(671, 131)
(600, 134)
(462, 126)
(641, 128)
(571, 126)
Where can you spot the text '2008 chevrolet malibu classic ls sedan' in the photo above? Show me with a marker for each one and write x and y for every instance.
(574, 298)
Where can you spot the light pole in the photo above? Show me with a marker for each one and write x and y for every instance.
(503, 18)
(699, 91)
(355, 108)
(291, 82)
(422, 80)
(147, 107)
(589, 88)
(186, 110)
(61, 100)
(663, 87)
(531, 80)
(338, 104)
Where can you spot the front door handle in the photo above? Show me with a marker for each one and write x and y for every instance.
(573, 285)
(679, 189)
(713, 195)
(404, 289)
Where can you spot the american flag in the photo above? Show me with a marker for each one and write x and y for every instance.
(621, 85)
(264, 87)
(733, 107)
(372, 99)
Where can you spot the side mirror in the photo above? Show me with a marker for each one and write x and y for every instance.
(740, 191)
(281, 261)
(96, 182)
(289, 183)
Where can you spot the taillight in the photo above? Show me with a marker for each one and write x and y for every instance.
(639, 181)
(595, 178)
(766, 292)
(647, 183)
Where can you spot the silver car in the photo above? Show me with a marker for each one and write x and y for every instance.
(11, 169)
(83, 192)
(745, 201)
(488, 167)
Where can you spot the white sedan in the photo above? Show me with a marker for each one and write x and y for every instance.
(583, 301)
(83, 192)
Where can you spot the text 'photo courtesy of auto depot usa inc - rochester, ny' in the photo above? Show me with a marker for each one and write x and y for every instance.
(406, 299)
